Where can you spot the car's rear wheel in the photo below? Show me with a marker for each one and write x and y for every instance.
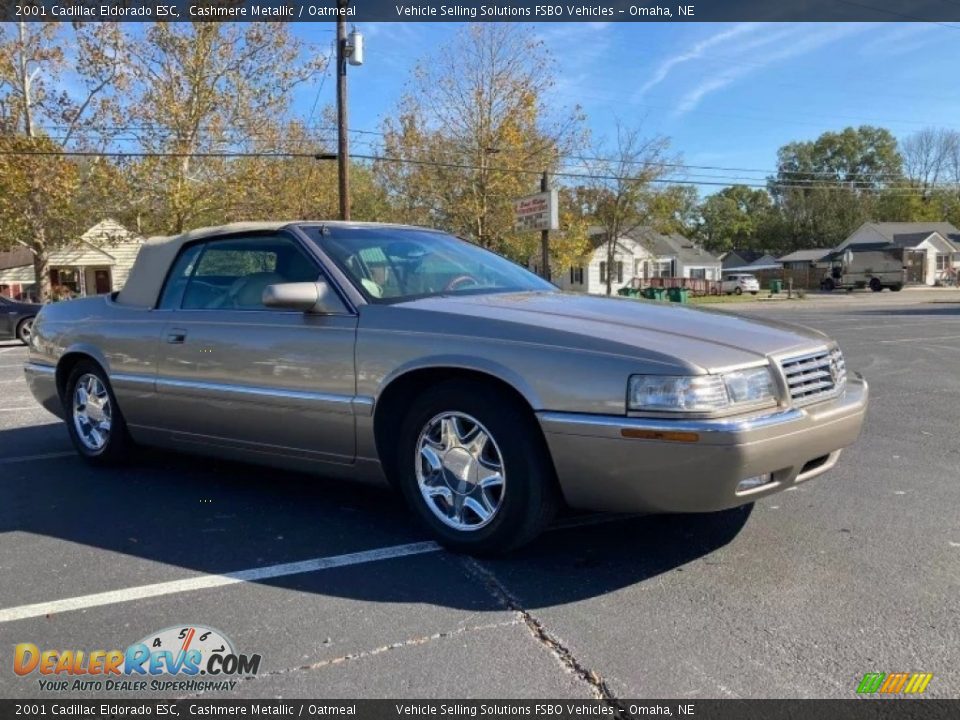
(738, 291)
(828, 284)
(876, 285)
(94, 421)
(24, 330)
(896, 288)
(474, 468)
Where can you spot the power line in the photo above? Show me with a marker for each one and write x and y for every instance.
(802, 174)
(902, 191)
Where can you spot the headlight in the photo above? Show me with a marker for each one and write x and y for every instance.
(701, 393)
(753, 385)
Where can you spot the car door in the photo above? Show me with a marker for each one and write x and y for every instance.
(7, 315)
(235, 373)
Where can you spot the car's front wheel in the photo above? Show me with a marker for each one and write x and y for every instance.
(738, 291)
(876, 285)
(24, 330)
(94, 421)
(475, 469)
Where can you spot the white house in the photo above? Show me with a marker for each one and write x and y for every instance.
(640, 255)
(95, 263)
(935, 245)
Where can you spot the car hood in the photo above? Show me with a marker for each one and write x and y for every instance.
(706, 338)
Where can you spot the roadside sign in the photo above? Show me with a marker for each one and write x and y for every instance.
(537, 212)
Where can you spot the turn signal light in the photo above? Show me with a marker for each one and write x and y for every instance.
(669, 435)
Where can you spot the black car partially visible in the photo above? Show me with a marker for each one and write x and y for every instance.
(16, 319)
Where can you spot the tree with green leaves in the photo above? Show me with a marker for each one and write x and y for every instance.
(736, 217)
(826, 187)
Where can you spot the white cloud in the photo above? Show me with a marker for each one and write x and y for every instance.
(664, 69)
(803, 39)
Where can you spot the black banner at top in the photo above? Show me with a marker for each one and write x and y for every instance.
(937, 11)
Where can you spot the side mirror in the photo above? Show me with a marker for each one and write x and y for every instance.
(310, 297)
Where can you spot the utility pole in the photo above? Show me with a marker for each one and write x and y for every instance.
(545, 234)
(343, 151)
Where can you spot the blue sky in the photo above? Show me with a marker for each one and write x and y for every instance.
(727, 94)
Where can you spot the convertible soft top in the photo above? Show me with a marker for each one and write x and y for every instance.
(150, 268)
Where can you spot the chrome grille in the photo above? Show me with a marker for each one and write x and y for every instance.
(814, 376)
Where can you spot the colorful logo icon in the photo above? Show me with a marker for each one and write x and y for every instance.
(894, 683)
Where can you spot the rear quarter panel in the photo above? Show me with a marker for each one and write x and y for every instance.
(123, 340)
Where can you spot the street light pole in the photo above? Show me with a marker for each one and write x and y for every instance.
(343, 152)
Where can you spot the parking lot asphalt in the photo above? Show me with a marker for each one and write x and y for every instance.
(857, 571)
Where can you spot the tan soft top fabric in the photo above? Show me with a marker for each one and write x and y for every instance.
(150, 268)
(145, 281)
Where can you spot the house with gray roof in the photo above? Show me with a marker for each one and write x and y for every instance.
(802, 259)
(640, 255)
(932, 247)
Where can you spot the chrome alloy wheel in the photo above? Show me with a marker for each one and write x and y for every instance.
(460, 471)
(92, 414)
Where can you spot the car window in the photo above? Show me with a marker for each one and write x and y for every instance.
(232, 274)
(395, 264)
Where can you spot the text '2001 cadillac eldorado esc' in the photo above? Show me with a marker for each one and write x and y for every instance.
(487, 396)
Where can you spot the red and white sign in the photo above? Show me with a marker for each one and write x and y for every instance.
(536, 212)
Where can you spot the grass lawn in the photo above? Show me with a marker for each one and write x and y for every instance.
(723, 299)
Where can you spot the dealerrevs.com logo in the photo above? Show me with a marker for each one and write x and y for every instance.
(172, 660)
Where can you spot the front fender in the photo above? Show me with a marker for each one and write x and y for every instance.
(464, 362)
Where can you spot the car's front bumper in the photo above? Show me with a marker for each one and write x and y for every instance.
(601, 469)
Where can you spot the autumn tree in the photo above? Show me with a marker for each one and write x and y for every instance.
(43, 191)
(207, 90)
(296, 181)
(473, 132)
(620, 195)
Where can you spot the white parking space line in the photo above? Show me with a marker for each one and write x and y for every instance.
(919, 339)
(34, 458)
(21, 409)
(204, 582)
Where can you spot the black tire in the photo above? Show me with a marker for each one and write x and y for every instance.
(738, 291)
(828, 285)
(24, 328)
(896, 288)
(117, 445)
(529, 496)
(753, 292)
(876, 285)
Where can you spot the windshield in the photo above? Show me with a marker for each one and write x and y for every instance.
(391, 264)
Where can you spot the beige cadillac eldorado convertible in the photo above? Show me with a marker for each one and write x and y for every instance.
(488, 397)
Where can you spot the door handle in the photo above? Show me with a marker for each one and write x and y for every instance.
(176, 336)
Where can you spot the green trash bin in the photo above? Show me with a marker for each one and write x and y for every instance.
(679, 295)
(776, 286)
(658, 293)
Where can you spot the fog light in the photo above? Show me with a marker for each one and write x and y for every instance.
(752, 483)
